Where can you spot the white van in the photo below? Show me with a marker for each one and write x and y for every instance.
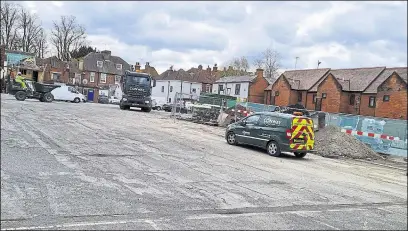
(68, 93)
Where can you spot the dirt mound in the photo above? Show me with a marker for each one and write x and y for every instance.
(331, 142)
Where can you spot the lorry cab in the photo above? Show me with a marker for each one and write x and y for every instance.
(137, 91)
(68, 93)
(275, 132)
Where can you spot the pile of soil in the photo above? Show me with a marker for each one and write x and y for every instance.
(331, 142)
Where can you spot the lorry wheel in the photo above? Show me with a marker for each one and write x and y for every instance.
(20, 95)
(147, 109)
(124, 107)
(300, 154)
(48, 97)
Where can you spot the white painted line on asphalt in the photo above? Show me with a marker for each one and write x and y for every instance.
(86, 224)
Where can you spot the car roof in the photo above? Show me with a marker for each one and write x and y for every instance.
(278, 114)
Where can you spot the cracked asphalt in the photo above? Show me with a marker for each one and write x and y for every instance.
(92, 166)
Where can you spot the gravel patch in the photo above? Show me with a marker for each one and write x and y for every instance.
(332, 143)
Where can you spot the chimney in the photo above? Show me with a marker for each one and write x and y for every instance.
(259, 73)
(230, 68)
(171, 68)
(200, 67)
(225, 68)
(132, 68)
(106, 54)
(137, 66)
(215, 68)
(147, 65)
(209, 68)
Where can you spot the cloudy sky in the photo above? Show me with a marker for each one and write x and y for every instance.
(186, 34)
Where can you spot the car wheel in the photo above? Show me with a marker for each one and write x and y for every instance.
(146, 109)
(77, 100)
(158, 108)
(273, 149)
(300, 154)
(231, 138)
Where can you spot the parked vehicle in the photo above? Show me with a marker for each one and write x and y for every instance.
(103, 99)
(137, 91)
(34, 90)
(114, 100)
(68, 93)
(276, 132)
(157, 105)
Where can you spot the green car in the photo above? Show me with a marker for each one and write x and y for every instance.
(275, 132)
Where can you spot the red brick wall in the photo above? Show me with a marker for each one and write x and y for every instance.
(333, 92)
(396, 107)
(257, 89)
(310, 105)
(284, 92)
(345, 106)
(365, 110)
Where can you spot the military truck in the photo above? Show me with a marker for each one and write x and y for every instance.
(137, 91)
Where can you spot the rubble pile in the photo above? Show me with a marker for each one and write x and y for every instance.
(331, 142)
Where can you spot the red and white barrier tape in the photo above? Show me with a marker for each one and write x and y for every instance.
(369, 134)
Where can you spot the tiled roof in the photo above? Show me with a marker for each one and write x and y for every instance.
(304, 79)
(176, 75)
(151, 71)
(109, 63)
(203, 75)
(236, 79)
(357, 78)
(401, 71)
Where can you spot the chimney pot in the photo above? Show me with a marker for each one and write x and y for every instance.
(147, 64)
(137, 66)
(215, 67)
(259, 73)
(200, 67)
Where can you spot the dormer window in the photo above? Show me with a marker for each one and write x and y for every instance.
(99, 63)
(119, 66)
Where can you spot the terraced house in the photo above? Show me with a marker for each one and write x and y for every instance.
(101, 72)
(371, 91)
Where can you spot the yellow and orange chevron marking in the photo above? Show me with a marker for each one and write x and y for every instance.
(302, 128)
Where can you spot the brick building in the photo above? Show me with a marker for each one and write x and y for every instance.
(100, 72)
(205, 76)
(373, 91)
(55, 70)
(294, 86)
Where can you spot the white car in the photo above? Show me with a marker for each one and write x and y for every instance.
(114, 100)
(68, 93)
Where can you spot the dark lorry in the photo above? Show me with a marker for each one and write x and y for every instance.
(137, 91)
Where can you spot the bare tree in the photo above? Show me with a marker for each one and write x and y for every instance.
(41, 44)
(29, 30)
(66, 36)
(237, 66)
(269, 61)
(9, 17)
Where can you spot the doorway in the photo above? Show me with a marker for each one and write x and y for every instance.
(35, 76)
(318, 104)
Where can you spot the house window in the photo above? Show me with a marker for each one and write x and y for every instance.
(169, 100)
(119, 66)
(276, 93)
(56, 76)
(194, 90)
(299, 96)
(171, 89)
(237, 89)
(314, 98)
(208, 88)
(352, 99)
(117, 78)
(103, 78)
(324, 95)
(220, 88)
(99, 63)
(23, 72)
(162, 89)
(386, 98)
(92, 77)
(371, 102)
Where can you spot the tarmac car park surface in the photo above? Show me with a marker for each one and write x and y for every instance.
(94, 166)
